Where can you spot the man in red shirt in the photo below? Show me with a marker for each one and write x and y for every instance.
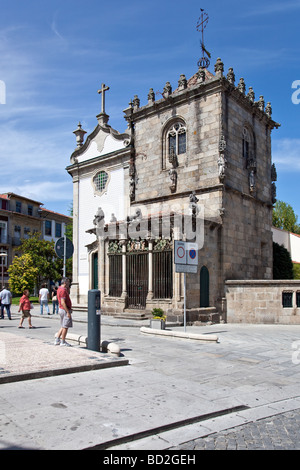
(65, 311)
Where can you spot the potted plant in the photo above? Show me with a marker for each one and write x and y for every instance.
(159, 319)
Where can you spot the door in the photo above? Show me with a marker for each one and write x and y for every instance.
(204, 287)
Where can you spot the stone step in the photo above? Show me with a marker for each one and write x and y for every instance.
(131, 314)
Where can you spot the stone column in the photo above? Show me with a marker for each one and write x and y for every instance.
(150, 270)
(74, 293)
(176, 276)
(101, 265)
(124, 284)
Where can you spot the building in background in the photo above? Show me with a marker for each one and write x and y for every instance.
(290, 241)
(20, 216)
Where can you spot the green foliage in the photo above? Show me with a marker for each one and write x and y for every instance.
(158, 313)
(282, 263)
(22, 274)
(296, 270)
(285, 218)
(42, 253)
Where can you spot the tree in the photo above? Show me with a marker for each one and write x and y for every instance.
(282, 263)
(44, 258)
(285, 218)
(22, 274)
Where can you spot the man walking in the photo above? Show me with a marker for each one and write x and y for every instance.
(65, 311)
(5, 297)
(44, 298)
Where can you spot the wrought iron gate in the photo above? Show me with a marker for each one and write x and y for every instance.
(137, 279)
(162, 275)
(115, 275)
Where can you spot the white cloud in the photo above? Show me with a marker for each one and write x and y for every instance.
(286, 154)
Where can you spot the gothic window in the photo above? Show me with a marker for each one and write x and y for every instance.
(249, 148)
(246, 143)
(177, 139)
(174, 143)
(100, 181)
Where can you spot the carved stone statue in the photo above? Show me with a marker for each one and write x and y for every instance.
(252, 181)
(273, 173)
(173, 179)
(99, 222)
(221, 166)
(193, 203)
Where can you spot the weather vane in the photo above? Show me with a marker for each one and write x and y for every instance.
(201, 25)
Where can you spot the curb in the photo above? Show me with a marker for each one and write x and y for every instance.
(105, 346)
(178, 334)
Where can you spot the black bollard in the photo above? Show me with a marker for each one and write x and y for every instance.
(94, 320)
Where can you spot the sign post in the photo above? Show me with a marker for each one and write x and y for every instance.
(186, 261)
(64, 249)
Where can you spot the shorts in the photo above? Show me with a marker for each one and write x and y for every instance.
(26, 314)
(65, 321)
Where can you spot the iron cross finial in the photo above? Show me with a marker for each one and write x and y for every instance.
(102, 91)
(201, 25)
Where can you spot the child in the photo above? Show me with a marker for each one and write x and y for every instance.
(25, 306)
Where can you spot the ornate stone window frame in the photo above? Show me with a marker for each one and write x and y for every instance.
(248, 147)
(98, 191)
(173, 129)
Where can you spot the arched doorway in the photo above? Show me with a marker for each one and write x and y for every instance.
(204, 287)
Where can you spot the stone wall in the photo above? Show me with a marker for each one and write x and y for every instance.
(261, 301)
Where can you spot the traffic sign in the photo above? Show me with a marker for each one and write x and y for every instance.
(180, 252)
(60, 245)
(192, 253)
(186, 253)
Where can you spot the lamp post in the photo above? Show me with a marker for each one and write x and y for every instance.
(3, 255)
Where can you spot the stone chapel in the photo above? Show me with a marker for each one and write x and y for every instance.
(198, 158)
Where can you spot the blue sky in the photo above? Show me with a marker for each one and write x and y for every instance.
(54, 56)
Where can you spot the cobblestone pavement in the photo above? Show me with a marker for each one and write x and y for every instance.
(280, 432)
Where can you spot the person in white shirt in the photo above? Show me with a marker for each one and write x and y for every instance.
(44, 298)
(5, 297)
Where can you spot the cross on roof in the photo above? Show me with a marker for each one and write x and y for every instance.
(102, 91)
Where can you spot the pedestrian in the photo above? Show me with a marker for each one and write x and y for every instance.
(25, 307)
(54, 300)
(44, 298)
(5, 297)
(65, 312)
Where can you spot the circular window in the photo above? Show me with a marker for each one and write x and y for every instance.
(100, 181)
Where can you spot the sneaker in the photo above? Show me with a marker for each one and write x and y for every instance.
(57, 341)
(64, 343)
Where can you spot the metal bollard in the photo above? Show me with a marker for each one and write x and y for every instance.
(94, 320)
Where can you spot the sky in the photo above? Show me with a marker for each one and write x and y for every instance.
(54, 56)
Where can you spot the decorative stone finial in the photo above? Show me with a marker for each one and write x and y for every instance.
(219, 67)
(79, 133)
(182, 82)
(201, 75)
(251, 94)
(231, 76)
(268, 109)
(167, 90)
(151, 96)
(261, 103)
(136, 102)
(241, 86)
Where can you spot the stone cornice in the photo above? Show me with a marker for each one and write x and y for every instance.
(211, 85)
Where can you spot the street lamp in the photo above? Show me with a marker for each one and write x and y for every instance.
(3, 255)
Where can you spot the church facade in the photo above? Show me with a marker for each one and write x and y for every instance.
(194, 165)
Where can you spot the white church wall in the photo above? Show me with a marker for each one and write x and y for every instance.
(104, 146)
(111, 201)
